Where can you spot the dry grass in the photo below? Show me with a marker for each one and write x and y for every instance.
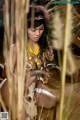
(16, 24)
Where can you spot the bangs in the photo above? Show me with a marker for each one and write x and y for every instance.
(35, 23)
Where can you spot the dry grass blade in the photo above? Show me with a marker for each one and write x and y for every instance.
(19, 15)
(2, 103)
(7, 43)
(63, 74)
(48, 4)
(55, 8)
(71, 67)
(12, 18)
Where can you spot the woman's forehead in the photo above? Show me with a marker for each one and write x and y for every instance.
(38, 27)
(41, 26)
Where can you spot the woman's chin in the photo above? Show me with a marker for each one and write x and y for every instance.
(36, 38)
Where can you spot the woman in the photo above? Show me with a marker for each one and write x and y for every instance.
(39, 53)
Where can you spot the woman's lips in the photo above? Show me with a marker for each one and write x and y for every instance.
(36, 38)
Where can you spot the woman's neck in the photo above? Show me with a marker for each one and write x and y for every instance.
(33, 48)
(32, 44)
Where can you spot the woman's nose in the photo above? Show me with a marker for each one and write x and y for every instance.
(37, 32)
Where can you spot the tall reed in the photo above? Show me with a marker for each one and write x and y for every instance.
(15, 12)
(65, 49)
(62, 36)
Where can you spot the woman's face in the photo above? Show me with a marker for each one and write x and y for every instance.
(34, 34)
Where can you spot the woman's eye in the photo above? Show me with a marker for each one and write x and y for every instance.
(41, 29)
(33, 30)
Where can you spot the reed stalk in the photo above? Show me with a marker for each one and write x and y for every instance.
(65, 49)
(6, 48)
(48, 4)
(15, 12)
(55, 8)
(2, 103)
(21, 46)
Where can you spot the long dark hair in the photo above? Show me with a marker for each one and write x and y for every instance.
(40, 11)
